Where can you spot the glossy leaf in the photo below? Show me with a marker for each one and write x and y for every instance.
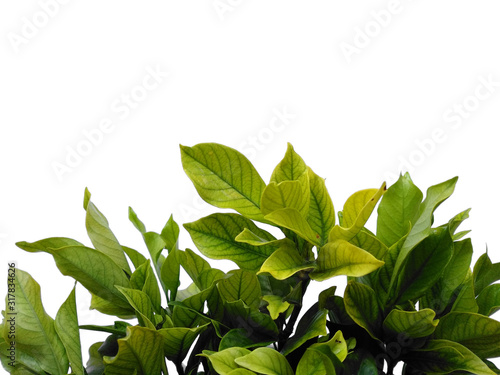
(265, 361)
(224, 178)
(36, 338)
(412, 324)
(343, 258)
(398, 207)
(215, 235)
(476, 332)
(321, 216)
(66, 325)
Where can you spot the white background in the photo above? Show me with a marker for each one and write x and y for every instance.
(365, 85)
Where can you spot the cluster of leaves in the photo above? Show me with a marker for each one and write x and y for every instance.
(411, 294)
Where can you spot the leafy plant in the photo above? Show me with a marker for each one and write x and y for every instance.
(411, 295)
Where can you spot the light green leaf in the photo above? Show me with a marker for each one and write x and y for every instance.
(292, 219)
(265, 361)
(489, 300)
(240, 371)
(155, 244)
(342, 258)
(151, 289)
(47, 244)
(422, 222)
(321, 211)
(94, 270)
(368, 242)
(313, 362)
(240, 337)
(141, 351)
(478, 333)
(444, 356)
(170, 273)
(276, 305)
(311, 325)
(135, 257)
(397, 209)
(285, 262)
(193, 264)
(66, 325)
(224, 178)
(101, 236)
(247, 236)
(35, 335)
(132, 216)
(170, 234)
(286, 194)
(356, 212)
(361, 305)
(141, 304)
(241, 285)
(336, 346)
(413, 324)
(291, 168)
(424, 266)
(110, 308)
(224, 361)
(178, 340)
(215, 235)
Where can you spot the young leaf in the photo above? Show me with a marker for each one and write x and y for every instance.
(285, 262)
(265, 361)
(170, 234)
(422, 222)
(286, 194)
(215, 235)
(170, 273)
(101, 236)
(397, 209)
(276, 305)
(361, 305)
(342, 258)
(141, 350)
(138, 224)
(249, 237)
(357, 211)
(321, 211)
(311, 325)
(36, 338)
(66, 325)
(241, 285)
(489, 300)
(224, 178)
(135, 257)
(476, 332)
(444, 356)
(224, 361)
(413, 324)
(291, 219)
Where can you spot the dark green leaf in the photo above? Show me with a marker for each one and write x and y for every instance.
(489, 300)
(361, 305)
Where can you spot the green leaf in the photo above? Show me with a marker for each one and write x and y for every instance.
(260, 327)
(101, 236)
(321, 211)
(485, 273)
(286, 194)
(66, 325)
(424, 266)
(336, 346)
(94, 270)
(489, 300)
(444, 356)
(285, 262)
(95, 364)
(178, 340)
(141, 350)
(224, 178)
(265, 361)
(291, 219)
(132, 216)
(453, 275)
(170, 273)
(47, 244)
(215, 235)
(397, 209)
(110, 308)
(478, 333)
(193, 264)
(241, 285)
(36, 338)
(240, 371)
(276, 305)
(291, 168)
(466, 300)
(342, 258)
(141, 304)
(247, 236)
(313, 362)
(356, 212)
(240, 337)
(224, 361)
(135, 257)
(413, 324)
(361, 305)
(311, 325)
(368, 242)
(151, 289)
(422, 222)
(170, 234)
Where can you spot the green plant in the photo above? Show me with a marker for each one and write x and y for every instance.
(411, 295)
